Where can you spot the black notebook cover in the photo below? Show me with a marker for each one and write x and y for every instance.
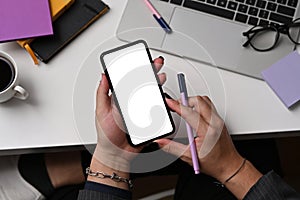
(77, 18)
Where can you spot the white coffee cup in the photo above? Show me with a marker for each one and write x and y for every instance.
(9, 85)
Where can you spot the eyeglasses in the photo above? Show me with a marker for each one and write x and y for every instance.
(265, 38)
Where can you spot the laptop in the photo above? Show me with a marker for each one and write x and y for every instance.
(210, 31)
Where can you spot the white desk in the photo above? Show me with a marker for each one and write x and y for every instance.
(46, 118)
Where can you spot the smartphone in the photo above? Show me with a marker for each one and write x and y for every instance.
(137, 92)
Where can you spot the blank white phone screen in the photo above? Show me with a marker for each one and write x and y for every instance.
(138, 94)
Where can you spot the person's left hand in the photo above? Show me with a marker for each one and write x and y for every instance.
(113, 148)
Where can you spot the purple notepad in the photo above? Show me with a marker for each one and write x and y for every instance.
(20, 19)
(284, 78)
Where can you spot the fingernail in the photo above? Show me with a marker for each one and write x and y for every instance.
(161, 57)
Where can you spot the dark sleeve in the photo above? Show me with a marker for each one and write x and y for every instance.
(271, 186)
(97, 191)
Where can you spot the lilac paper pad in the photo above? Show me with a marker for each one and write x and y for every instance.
(21, 19)
(284, 78)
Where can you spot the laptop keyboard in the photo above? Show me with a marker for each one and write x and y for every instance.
(252, 12)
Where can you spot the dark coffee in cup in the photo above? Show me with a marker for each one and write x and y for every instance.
(6, 74)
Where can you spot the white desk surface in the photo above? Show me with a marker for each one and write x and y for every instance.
(46, 118)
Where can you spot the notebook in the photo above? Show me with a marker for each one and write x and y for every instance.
(214, 27)
(67, 27)
(24, 19)
(57, 8)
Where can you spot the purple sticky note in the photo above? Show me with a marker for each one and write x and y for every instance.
(284, 78)
(21, 19)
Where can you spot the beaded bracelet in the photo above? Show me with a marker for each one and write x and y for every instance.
(113, 176)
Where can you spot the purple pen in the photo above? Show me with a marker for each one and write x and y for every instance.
(184, 99)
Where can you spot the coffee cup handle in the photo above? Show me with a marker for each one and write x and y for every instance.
(21, 93)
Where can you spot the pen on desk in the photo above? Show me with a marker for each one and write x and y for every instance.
(158, 17)
(184, 99)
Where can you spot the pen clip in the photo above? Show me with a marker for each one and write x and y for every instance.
(182, 84)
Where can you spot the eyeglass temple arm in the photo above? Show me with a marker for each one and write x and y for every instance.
(247, 34)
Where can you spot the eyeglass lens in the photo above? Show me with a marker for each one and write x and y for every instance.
(264, 39)
(294, 31)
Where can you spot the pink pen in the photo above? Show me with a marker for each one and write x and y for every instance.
(184, 99)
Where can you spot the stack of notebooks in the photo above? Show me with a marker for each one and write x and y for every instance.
(44, 27)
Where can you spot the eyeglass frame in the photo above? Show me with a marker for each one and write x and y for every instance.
(279, 28)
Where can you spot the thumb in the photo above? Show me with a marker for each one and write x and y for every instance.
(172, 147)
(102, 98)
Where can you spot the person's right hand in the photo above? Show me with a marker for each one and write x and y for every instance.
(216, 152)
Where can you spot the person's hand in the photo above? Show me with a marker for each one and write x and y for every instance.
(216, 152)
(113, 148)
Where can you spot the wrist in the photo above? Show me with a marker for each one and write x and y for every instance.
(231, 168)
(98, 166)
(242, 181)
(112, 160)
(228, 168)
